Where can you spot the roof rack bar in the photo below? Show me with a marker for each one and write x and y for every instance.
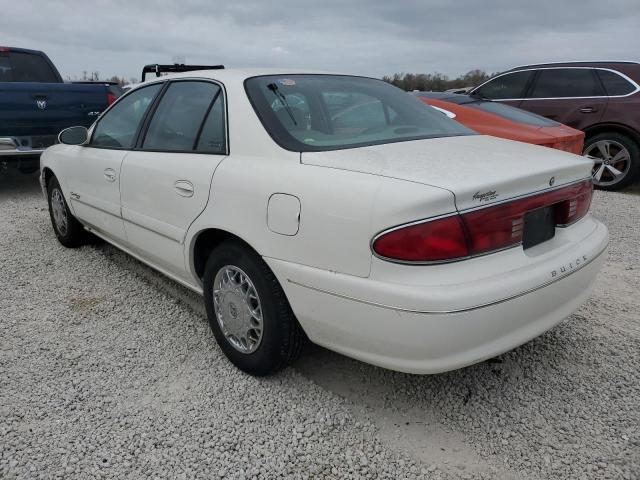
(575, 61)
(159, 68)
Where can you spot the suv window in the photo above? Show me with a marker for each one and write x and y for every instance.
(510, 85)
(615, 84)
(118, 127)
(566, 82)
(176, 122)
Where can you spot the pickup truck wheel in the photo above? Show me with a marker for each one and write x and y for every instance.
(69, 231)
(616, 157)
(248, 311)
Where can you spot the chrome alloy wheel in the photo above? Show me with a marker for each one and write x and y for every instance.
(59, 211)
(612, 161)
(237, 307)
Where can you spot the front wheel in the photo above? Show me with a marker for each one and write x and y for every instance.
(249, 312)
(616, 160)
(68, 230)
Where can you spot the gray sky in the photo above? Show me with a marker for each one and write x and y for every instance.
(374, 37)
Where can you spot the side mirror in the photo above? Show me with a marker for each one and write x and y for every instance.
(74, 136)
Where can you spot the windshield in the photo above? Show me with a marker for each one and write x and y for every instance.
(328, 112)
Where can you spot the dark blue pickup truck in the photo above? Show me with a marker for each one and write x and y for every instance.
(36, 104)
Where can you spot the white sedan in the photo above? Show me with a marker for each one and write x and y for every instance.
(336, 208)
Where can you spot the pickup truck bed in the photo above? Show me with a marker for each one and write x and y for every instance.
(35, 105)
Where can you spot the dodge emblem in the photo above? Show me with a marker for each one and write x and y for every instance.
(41, 103)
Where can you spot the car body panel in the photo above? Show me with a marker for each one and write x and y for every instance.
(460, 165)
(414, 318)
(561, 137)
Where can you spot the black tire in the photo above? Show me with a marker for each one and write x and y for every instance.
(282, 337)
(608, 181)
(74, 235)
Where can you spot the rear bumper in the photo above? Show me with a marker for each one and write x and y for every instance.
(23, 146)
(409, 329)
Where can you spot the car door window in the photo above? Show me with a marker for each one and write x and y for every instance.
(566, 82)
(508, 86)
(212, 138)
(615, 84)
(177, 120)
(118, 127)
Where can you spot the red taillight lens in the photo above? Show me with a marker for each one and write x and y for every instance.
(576, 205)
(480, 231)
(110, 98)
(425, 242)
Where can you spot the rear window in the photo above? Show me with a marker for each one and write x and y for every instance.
(615, 84)
(566, 82)
(329, 112)
(26, 67)
(513, 114)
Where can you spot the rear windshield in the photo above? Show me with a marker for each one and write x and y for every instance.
(26, 67)
(513, 114)
(328, 112)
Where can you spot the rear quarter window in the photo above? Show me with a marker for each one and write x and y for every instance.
(615, 84)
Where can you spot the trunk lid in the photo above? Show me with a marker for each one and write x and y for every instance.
(477, 169)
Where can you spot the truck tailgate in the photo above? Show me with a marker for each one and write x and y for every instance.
(42, 109)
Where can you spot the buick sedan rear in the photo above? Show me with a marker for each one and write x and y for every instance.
(334, 208)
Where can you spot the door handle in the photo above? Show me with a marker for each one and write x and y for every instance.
(184, 188)
(587, 110)
(110, 175)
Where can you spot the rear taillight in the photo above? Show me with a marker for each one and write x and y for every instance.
(425, 242)
(110, 98)
(480, 231)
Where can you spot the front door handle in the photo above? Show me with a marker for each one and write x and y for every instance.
(587, 110)
(184, 188)
(110, 175)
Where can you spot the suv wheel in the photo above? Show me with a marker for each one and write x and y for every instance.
(616, 157)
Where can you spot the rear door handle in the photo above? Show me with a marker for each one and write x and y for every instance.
(587, 110)
(110, 175)
(184, 188)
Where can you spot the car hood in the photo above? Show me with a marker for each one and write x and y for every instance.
(477, 169)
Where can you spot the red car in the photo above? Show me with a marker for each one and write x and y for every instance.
(500, 120)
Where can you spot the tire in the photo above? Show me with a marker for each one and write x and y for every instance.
(69, 231)
(605, 148)
(237, 308)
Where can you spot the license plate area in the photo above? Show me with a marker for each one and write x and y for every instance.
(539, 226)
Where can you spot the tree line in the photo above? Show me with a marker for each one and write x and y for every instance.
(436, 82)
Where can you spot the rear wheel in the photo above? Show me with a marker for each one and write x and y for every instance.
(616, 157)
(249, 312)
(69, 231)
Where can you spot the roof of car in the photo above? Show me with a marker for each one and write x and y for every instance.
(577, 63)
(241, 74)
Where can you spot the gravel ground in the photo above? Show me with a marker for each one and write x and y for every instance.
(108, 370)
